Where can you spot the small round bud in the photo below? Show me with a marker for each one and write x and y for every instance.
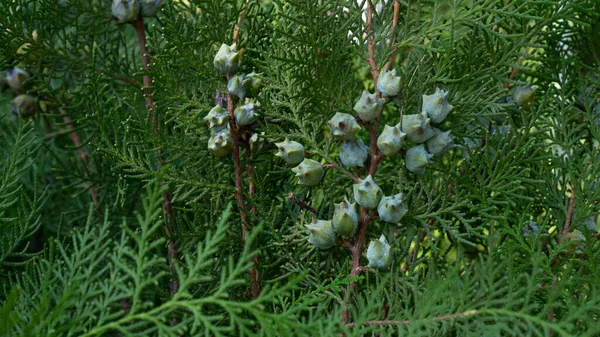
(417, 128)
(417, 158)
(245, 114)
(345, 219)
(125, 10)
(436, 106)
(390, 140)
(150, 7)
(24, 105)
(368, 106)
(227, 59)
(379, 254)
(290, 151)
(366, 193)
(343, 126)
(388, 83)
(309, 172)
(221, 143)
(524, 96)
(391, 209)
(440, 143)
(353, 153)
(217, 118)
(15, 78)
(322, 234)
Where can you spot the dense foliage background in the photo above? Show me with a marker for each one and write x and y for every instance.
(115, 218)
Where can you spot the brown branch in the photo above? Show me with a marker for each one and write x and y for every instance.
(167, 206)
(238, 25)
(569, 216)
(394, 32)
(121, 78)
(408, 322)
(77, 142)
(371, 46)
(336, 166)
(302, 204)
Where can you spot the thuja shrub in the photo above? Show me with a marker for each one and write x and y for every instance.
(277, 168)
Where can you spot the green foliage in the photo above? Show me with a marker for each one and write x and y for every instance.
(500, 237)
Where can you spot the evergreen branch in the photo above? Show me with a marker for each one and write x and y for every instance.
(408, 322)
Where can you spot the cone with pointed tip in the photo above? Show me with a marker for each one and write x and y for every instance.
(150, 7)
(343, 126)
(15, 78)
(227, 59)
(436, 106)
(389, 84)
(290, 151)
(417, 128)
(368, 106)
(353, 153)
(391, 209)
(216, 119)
(245, 114)
(321, 234)
(417, 158)
(125, 10)
(390, 140)
(220, 143)
(379, 254)
(524, 96)
(366, 193)
(309, 172)
(345, 219)
(440, 143)
(24, 106)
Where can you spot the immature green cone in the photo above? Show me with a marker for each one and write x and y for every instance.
(389, 84)
(368, 106)
(366, 193)
(24, 105)
(150, 7)
(436, 106)
(217, 118)
(309, 172)
(345, 219)
(353, 153)
(15, 78)
(125, 10)
(290, 151)
(343, 126)
(227, 59)
(417, 158)
(245, 114)
(524, 96)
(379, 254)
(417, 127)
(220, 143)
(322, 234)
(390, 140)
(391, 209)
(239, 85)
(440, 143)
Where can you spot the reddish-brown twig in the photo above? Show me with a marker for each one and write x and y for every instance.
(167, 207)
(77, 142)
(302, 204)
(371, 45)
(394, 31)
